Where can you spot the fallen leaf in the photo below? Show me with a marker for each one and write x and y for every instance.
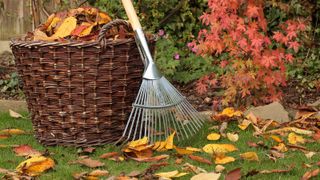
(138, 142)
(219, 168)
(252, 118)
(4, 136)
(281, 147)
(310, 154)
(12, 132)
(66, 28)
(90, 162)
(171, 174)
(251, 156)
(244, 124)
(234, 174)
(316, 136)
(200, 159)
(203, 176)
(26, 150)
(193, 169)
(15, 114)
(178, 161)
(88, 150)
(98, 173)
(233, 137)
(276, 138)
(230, 112)
(109, 154)
(219, 148)
(276, 154)
(152, 159)
(224, 159)
(310, 174)
(193, 149)
(134, 173)
(295, 139)
(290, 129)
(255, 172)
(104, 18)
(35, 165)
(252, 144)
(182, 151)
(213, 136)
(169, 141)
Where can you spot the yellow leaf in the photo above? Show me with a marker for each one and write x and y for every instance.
(230, 112)
(138, 142)
(104, 18)
(169, 141)
(224, 159)
(65, 29)
(294, 139)
(183, 151)
(35, 165)
(276, 138)
(156, 145)
(162, 146)
(233, 137)
(251, 156)
(219, 148)
(292, 129)
(244, 124)
(180, 174)
(193, 149)
(213, 136)
(12, 131)
(281, 147)
(99, 172)
(87, 31)
(168, 174)
(53, 24)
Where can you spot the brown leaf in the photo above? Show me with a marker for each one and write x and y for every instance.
(276, 154)
(134, 173)
(234, 174)
(4, 136)
(178, 161)
(90, 162)
(98, 173)
(26, 150)
(109, 154)
(152, 159)
(255, 172)
(252, 144)
(89, 150)
(199, 159)
(316, 136)
(310, 174)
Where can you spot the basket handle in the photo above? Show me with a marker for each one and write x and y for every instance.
(117, 22)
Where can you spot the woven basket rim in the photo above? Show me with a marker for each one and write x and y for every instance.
(18, 42)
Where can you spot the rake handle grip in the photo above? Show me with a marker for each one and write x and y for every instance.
(131, 13)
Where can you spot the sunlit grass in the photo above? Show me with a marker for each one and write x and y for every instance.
(64, 155)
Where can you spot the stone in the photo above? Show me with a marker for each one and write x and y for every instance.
(274, 111)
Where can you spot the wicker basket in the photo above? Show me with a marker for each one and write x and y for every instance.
(79, 93)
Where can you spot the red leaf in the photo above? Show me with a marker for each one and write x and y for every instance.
(310, 174)
(252, 11)
(234, 174)
(277, 36)
(294, 45)
(26, 150)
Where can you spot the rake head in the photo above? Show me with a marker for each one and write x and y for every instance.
(158, 111)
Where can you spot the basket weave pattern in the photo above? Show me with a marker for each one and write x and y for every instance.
(79, 94)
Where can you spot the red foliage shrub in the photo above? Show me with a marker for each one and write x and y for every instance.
(255, 67)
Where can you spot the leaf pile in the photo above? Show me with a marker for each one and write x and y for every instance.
(81, 24)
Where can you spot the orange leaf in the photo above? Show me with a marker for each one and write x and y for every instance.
(224, 159)
(182, 151)
(90, 162)
(108, 155)
(310, 174)
(199, 159)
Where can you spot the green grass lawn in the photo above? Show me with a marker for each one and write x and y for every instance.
(63, 155)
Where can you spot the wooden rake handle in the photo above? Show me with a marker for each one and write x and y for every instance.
(131, 13)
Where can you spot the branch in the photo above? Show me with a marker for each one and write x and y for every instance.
(172, 12)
